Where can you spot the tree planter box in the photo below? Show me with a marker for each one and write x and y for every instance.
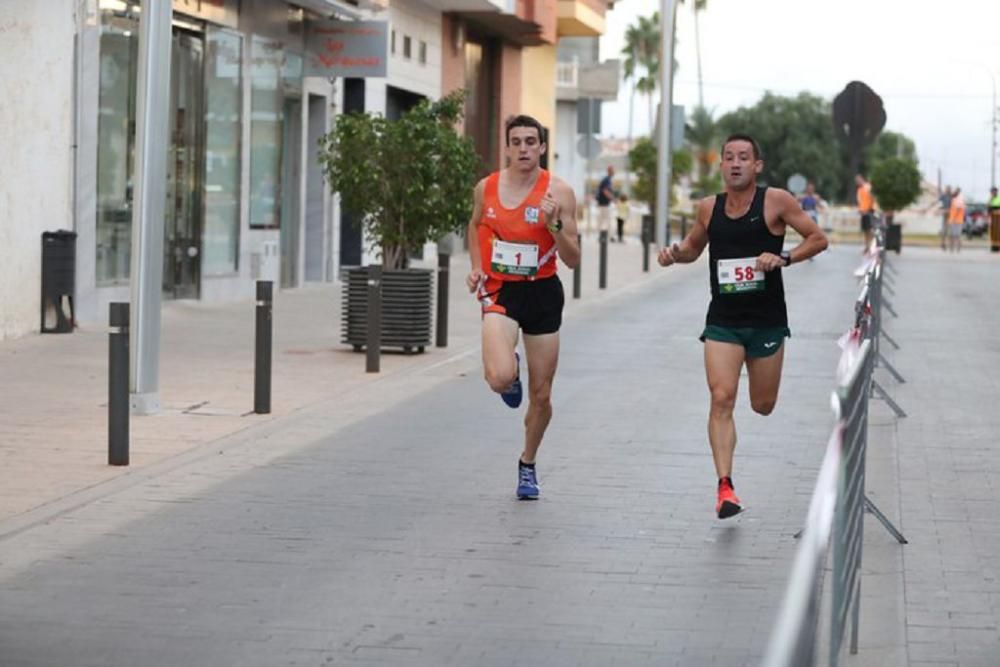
(407, 306)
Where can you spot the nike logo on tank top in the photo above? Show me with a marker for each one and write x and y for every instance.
(741, 295)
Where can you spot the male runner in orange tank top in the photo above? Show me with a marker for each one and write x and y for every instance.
(523, 218)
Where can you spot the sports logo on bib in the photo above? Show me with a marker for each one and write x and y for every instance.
(530, 215)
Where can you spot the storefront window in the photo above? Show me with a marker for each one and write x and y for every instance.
(266, 105)
(223, 137)
(115, 144)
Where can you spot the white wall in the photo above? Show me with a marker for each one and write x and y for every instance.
(567, 163)
(420, 23)
(36, 67)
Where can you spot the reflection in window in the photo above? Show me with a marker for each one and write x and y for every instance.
(115, 144)
(266, 100)
(223, 112)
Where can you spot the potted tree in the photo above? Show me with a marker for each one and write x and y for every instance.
(896, 185)
(410, 181)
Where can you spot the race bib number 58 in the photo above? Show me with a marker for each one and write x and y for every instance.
(739, 276)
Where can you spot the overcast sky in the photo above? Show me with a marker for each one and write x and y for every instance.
(933, 63)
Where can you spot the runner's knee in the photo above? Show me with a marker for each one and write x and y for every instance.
(723, 399)
(763, 406)
(540, 395)
(499, 380)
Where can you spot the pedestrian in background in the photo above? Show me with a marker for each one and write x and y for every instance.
(866, 208)
(944, 200)
(994, 207)
(622, 216)
(605, 195)
(956, 217)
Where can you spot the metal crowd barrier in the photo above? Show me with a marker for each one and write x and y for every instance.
(795, 636)
(838, 532)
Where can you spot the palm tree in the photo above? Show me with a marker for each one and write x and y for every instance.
(699, 6)
(702, 133)
(642, 50)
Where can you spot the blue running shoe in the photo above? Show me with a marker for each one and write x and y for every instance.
(513, 394)
(527, 482)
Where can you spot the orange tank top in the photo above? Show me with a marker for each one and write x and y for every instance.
(514, 243)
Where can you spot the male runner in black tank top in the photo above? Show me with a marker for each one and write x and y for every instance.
(744, 227)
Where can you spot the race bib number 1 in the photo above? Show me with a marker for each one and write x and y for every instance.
(739, 276)
(516, 259)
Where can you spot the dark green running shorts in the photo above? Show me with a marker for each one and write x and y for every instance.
(758, 341)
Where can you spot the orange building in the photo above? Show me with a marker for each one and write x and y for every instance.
(503, 52)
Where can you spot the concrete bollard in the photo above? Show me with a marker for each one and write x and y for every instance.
(576, 272)
(373, 347)
(118, 370)
(262, 348)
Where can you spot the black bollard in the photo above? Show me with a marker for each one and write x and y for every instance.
(645, 250)
(684, 227)
(444, 260)
(576, 271)
(118, 404)
(602, 269)
(262, 349)
(373, 347)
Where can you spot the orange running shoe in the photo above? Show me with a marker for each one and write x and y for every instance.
(728, 503)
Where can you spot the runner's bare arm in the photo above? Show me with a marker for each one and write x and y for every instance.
(690, 249)
(472, 280)
(788, 212)
(569, 249)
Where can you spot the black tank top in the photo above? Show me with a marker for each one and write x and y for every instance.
(747, 236)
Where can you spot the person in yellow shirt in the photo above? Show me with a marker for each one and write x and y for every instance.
(866, 208)
(956, 216)
(621, 216)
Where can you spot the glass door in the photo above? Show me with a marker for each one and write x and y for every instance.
(185, 169)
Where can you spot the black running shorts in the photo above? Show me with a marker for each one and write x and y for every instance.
(536, 305)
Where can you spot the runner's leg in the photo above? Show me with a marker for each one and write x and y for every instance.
(542, 356)
(499, 341)
(723, 362)
(764, 375)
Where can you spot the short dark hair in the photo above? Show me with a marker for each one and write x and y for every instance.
(524, 121)
(743, 137)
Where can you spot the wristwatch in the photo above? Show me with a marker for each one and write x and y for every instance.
(786, 257)
(556, 226)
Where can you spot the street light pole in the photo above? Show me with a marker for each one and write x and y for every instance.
(151, 134)
(668, 18)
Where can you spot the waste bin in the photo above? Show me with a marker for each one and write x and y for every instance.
(894, 237)
(58, 281)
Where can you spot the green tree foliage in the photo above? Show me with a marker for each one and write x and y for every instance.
(795, 136)
(891, 144)
(702, 135)
(643, 160)
(642, 56)
(411, 179)
(895, 183)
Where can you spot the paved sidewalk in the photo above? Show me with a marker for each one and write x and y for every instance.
(379, 526)
(53, 388)
(374, 523)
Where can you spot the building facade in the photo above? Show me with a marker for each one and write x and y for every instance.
(246, 198)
